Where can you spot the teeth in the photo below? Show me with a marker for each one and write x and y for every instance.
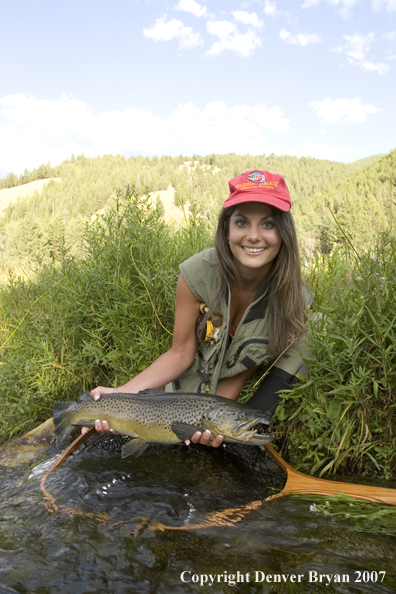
(254, 250)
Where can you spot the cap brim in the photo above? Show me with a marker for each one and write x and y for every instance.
(271, 201)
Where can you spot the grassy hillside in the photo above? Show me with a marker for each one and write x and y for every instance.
(38, 229)
(363, 204)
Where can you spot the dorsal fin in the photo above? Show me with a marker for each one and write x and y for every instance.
(85, 397)
(152, 391)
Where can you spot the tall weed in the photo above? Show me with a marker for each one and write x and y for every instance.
(344, 414)
(93, 320)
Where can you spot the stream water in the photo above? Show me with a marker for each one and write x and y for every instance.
(71, 551)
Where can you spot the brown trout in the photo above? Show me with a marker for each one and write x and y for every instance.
(155, 416)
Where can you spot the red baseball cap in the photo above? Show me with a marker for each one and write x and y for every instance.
(259, 186)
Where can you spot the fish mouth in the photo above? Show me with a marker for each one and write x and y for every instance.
(256, 425)
(254, 431)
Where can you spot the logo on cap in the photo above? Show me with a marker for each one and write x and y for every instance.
(256, 176)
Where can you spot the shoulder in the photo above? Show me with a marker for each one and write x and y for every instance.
(201, 273)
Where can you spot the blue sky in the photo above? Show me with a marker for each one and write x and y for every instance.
(146, 77)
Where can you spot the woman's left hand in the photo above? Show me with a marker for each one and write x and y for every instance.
(204, 439)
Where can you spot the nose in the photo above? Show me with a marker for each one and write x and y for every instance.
(253, 233)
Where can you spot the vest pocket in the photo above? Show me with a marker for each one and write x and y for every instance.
(249, 360)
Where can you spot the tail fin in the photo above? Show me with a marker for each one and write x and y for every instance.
(62, 421)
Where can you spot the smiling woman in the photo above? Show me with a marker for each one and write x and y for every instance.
(253, 238)
(239, 305)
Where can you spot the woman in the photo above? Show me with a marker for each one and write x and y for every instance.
(250, 286)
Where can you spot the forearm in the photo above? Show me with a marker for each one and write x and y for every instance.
(230, 387)
(163, 370)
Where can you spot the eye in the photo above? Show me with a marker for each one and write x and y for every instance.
(240, 223)
(242, 415)
(268, 224)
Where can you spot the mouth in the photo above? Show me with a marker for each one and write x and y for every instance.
(253, 251)
(250, 428)
(253, 433)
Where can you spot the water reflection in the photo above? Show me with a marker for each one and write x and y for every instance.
(48, 553)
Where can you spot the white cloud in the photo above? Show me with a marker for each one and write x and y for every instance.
(229, 38)
(34, 131)
(219, 128)
(248, 18)
(345, 6)
(221, 29)
(389, 5)
(192, 7)
(269, 8)
(356, 47)
(371, 67)
(173, 29)
(300, 39)
(342, 111)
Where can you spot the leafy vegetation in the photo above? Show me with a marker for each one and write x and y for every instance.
(346, 411)
(91, 302)
(91, 320)
(54, 220)
(43, 172)
(364, 516)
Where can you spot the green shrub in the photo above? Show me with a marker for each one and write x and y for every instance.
(93, 321)
(344, 414)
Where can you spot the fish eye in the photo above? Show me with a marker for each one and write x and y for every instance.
(242, 414)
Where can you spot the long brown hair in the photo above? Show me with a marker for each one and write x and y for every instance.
(286, 299)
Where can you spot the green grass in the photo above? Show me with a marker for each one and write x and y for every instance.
(102, 318)
(92, 321)
(344, 414)
(363, 516)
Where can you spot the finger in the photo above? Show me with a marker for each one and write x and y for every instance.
(196, 437)
(106, 427)
(205, 439)
(218, 440)
(96, 392)
(98, 426)
(85, 430)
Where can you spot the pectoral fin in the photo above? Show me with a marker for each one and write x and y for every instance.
(134, 447)
(184, 430)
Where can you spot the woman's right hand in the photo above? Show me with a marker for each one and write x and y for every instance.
(101, 426)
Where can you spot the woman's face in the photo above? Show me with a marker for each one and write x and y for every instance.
(253, 238)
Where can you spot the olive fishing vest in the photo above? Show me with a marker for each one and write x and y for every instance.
(227, 356)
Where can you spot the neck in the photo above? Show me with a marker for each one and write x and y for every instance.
(251, 279)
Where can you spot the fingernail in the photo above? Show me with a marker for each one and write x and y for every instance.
(199, 433)
(96, 397)
(113, 431)
(207, 432)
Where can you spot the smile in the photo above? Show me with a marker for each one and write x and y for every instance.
(253, 250)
